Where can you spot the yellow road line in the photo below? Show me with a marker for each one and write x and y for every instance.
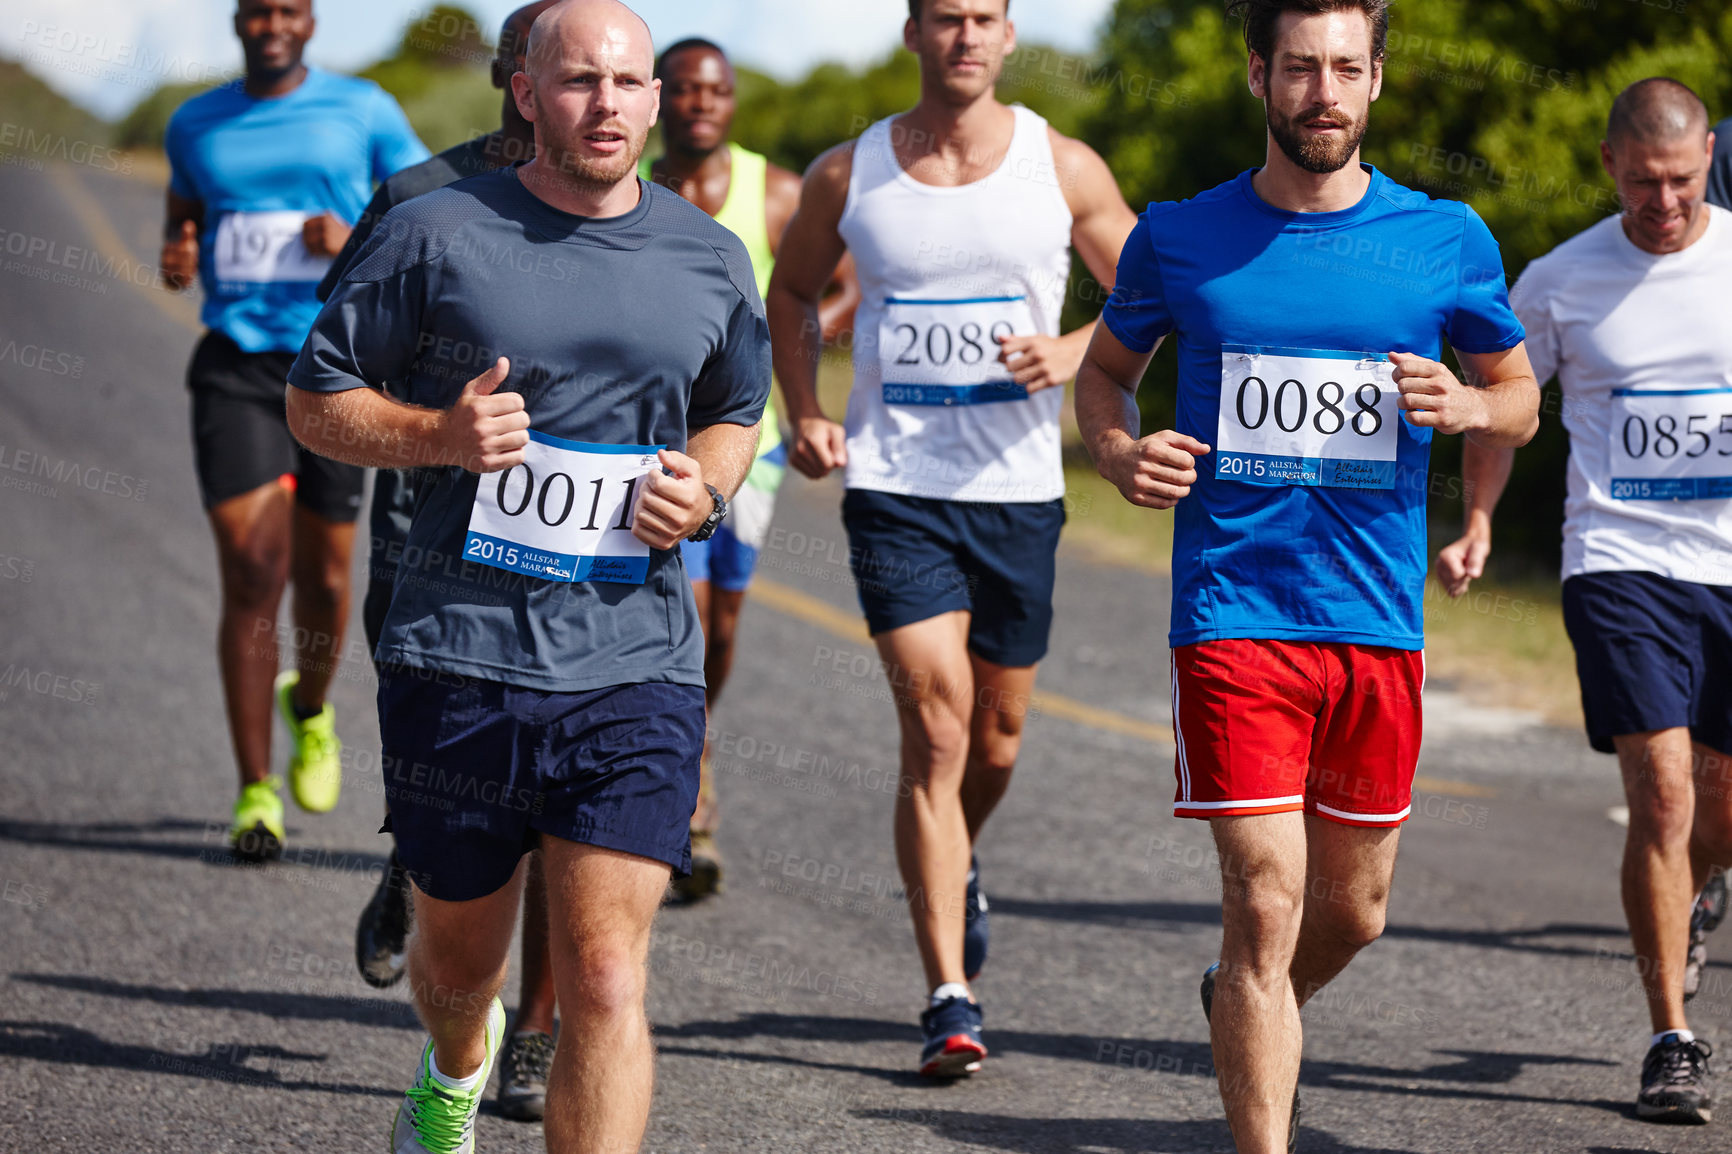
(849, 627)
(106, 241)
(1452, 788)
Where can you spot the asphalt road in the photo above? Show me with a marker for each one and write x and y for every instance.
(153, 997)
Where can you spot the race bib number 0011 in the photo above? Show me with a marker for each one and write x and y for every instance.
(565, 513)
(945, 352)
(1307, 417)
(265, 248)
(1671, 444)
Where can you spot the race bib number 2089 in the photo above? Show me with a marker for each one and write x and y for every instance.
(1307, 417)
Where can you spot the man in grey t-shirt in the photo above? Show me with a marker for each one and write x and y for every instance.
(585, 362)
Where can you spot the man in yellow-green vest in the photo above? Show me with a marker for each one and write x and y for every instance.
(754, 199)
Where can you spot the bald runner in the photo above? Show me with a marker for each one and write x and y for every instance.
(550, 686)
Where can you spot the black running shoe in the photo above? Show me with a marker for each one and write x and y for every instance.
(523, 1076)
(1705, 917)
(382, 934)
(1675, 1082)
(1208, 993)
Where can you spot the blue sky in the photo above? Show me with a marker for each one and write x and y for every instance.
(107, 54)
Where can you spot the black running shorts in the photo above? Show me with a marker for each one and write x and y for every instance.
(241, 437)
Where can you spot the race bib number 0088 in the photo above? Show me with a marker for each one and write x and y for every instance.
(1307, 417)
(265, 248)
(945, 352)
(565, 513)
(1671, 444)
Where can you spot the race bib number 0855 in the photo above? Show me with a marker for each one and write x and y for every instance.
(1671, 444)
(1307, 417)
(565, 513)
(945, 352)
(265, 248)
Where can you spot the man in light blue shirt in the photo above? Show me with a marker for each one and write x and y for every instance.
(265, 176)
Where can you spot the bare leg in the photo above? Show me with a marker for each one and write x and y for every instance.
(1254, 1024)
(601, 907)
(253, 549)
(457, 959)
(724, 618)
(535, 1003)
(1658, 877)
(1711, 832)
(321, 601)
(1347, 878)
(932, 680)
(1001, 700)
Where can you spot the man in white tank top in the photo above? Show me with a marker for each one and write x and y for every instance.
(960, 215)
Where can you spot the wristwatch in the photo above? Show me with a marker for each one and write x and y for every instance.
(714, 520)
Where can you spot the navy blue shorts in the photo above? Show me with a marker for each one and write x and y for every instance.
(476, 770)
(1652, 653)
(917, 557)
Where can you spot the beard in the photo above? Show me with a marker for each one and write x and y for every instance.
(1318, 154)
(596, 173)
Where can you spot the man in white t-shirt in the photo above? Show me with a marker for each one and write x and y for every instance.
(1635, 317)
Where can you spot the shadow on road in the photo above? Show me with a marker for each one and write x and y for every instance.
(1464, 1074)
(1186, 1055)
(1130, 1135)
(362, 1011)
(211, 849)
(61, 1044)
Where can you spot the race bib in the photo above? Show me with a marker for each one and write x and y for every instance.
(1307, 417)
(564, 514)
(265, 248)
(1671, 444)
(945, 352)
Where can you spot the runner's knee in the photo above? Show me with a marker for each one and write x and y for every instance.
(603, 982)
(1353, 920)
(254, 577)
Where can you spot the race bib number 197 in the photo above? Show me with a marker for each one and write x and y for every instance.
(1307, 417)
(265, 248)
(565, 514)
(1671, 444)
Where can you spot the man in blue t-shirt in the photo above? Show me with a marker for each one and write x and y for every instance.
(1308, 298)
(264, 176)
(541, 663)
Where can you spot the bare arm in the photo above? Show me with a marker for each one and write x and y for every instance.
(842, 295)
(1500, 409)
(811, 249)
(1156, 471)
(483, 432)
(1484, 474)
(1100, 222)
(178, 264)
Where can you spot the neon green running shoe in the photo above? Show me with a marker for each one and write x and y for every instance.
(315, 768)
(257, 834)
(435, 1119)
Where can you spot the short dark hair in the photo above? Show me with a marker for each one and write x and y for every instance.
(687, 45)
(1657, 110)
(1259, 17)
(916, 6)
